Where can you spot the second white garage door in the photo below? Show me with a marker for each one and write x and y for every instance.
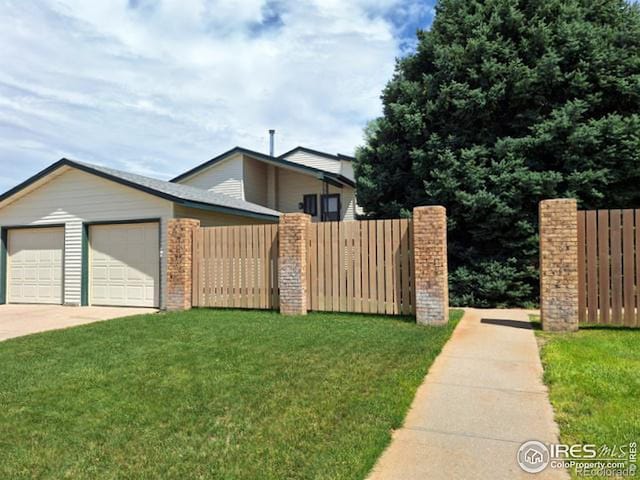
(125, 265)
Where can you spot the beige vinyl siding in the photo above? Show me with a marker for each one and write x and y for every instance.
(293, 185)
(215, 219)
(224, 177)
(75, 197)
(346, 169)
(316, 161)
(349, 207)
(272, 187)
(255, 181)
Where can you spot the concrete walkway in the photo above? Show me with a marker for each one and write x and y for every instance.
(19, 320)
(483, 397)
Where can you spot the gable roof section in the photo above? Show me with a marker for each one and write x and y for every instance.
(330, 177)
(339, 156)
(180, 194)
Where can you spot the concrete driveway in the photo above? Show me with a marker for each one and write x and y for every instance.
(19, 320)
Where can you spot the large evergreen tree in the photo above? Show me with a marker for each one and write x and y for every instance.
(505, 103)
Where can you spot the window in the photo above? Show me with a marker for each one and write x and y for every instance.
(310, 204)
(330, 207)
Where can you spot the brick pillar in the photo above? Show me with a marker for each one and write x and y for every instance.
(559, 264)
(292, 263)
(430, 260)
(179, 255)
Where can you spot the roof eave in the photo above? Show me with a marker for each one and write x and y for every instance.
(227, 210)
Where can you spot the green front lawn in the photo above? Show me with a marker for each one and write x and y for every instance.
(594, 384)
(210, 394)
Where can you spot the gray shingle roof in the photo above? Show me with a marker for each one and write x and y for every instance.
(183, 194)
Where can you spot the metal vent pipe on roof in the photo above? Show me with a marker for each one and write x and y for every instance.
(272, 142)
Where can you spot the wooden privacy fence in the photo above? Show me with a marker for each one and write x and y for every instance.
(236, 267)
(356, 266)
(360, 266)
(609, 267)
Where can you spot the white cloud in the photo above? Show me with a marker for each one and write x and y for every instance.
(159, 86)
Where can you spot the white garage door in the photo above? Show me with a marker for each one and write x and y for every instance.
(35, 265)
(125, 265)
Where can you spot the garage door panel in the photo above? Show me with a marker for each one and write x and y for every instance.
(98, 257)
(99, 273)
(137, 293)
(135, 236)
(148, 292)
(45, 275)
(16, 273)
(116, 292)
(116, 273)
(29, 292)
(35, 265)
(137, 276)
(30, 274)
(125, 268)
(99, 293)
(15, 291)
(43, 291)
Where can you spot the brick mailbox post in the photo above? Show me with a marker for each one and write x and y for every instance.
(430, 257)
(559, 264)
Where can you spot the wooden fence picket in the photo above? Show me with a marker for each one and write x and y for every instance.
(609, 267)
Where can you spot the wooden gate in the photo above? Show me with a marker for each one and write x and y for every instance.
(236, 267)
(361, 266)
(609, 267)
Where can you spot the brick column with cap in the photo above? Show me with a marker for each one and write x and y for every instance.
(179, 262)
(430, 260)
(559, 264)
(292, 263)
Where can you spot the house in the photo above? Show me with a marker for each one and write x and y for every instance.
(300, 180)
(83, 234)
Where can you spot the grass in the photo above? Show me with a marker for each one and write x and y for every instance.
(594, 384)
(210, 394)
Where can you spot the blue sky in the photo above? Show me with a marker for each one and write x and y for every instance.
(158, 86)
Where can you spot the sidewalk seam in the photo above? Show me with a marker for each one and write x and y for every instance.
(461, 434)
(511, 390)
(485, 359)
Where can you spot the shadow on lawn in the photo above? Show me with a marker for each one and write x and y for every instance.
(537, 325)
(615, 328)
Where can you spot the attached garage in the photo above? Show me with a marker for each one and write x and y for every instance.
(82, 234)
(35, 259)
(124, 264)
